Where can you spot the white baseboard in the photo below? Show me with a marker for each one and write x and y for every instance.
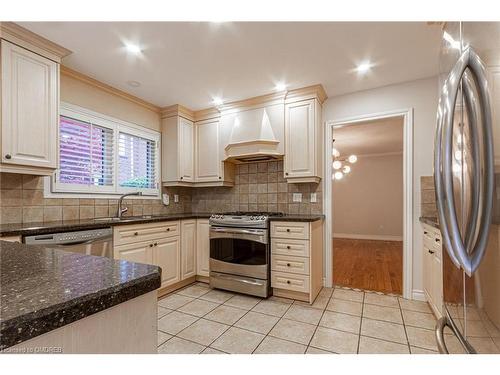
(418, 295)
(368, 237)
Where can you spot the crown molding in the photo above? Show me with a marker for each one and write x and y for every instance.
(206, 114)
(16, 34)
(177, 110)
(309, 92)
(254, 102)
(109, 89)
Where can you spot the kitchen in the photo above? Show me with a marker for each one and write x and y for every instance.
(139, 219)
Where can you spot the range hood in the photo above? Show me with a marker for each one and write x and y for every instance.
(256, 134)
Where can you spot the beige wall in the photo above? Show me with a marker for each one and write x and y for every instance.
(368, 203)
(422, 96)
(80, 93)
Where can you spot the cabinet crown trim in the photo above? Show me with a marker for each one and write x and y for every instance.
(16, 34)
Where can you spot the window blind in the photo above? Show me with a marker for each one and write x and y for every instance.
(85, 153)
(136, 162)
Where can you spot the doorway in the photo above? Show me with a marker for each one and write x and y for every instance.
(368, 205)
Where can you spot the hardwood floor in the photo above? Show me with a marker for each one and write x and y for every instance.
(368, 264)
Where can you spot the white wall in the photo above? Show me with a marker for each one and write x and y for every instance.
(422, 96)
(368, 202)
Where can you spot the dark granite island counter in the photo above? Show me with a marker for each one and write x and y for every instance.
(56, 301)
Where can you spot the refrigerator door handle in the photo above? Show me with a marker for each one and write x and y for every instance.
(469, 260)
(441, 344)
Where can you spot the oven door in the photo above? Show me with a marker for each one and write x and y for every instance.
(239, 251)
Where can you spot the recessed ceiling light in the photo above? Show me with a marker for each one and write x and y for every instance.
(133, 48)
(280, 86)
(364, 67)
(217, 101)
(133, 83)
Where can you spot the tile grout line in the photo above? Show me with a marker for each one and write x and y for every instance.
(404, 326)
(361, 322)
(317, 325)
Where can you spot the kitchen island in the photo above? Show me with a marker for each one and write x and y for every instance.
(60, 302)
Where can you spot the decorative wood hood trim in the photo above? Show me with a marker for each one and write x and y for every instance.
(27, 39)
(109, 89)
(177, 110)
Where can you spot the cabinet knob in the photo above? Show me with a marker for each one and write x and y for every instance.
(431, 252)
(437, 239)
(150, 245)
(136, 233)
(182, 178)
(288, 230)
(156, 243)
(425, 232)
(286, 173)
(288, 281)
(288, 247)
(220, 178)
(168, 229)
(288, 264)
(8, 156)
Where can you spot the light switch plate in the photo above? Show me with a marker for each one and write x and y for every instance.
(297, 197)
(314, 199)
(176, 198)
(165, 199)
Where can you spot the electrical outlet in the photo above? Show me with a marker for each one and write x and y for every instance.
(166, 199)
(176, 198)
(297, 197)
(314, 199)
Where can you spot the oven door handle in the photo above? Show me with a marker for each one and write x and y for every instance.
(254, 232)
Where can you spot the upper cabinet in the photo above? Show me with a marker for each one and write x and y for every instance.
(30, 102)
(208, 163)
(304, 136)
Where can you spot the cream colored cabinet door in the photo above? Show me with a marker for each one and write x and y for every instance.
(203, 247)
(428, 271)
(186, 149)
(188, 248)
(30, 102)
(140, 252)
(207, 160)
(166, 254)
(437, 283)
(300, 130)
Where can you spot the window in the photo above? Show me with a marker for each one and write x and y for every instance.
(100, 155)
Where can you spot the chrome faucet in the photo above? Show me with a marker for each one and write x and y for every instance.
(121, 211)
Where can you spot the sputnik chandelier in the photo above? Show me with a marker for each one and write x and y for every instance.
(341, 164)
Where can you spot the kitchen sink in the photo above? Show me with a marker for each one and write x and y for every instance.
(124, 218)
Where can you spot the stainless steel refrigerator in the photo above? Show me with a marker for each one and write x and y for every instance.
(467, 179)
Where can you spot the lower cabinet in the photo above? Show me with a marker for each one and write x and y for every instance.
(166, 254)
(433, 272)
(135, 252)
(202, 247)
(188, 248)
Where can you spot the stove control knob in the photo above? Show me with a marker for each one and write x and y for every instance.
(262, 218)
(252, 218)
(212, 217)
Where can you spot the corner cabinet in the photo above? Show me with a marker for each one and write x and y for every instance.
(29, 111)
(303, 141)
(177, 151)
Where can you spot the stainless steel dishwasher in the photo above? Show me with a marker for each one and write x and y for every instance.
(91, 242)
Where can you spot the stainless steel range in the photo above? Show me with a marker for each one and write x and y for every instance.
(240, 252)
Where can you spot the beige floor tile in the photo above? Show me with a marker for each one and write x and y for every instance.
(243, 302)
(383, 330)
(346, 307)
(175, 322)
(174, 301)
(342, 322)
(423, 338)
(203, 331)
(368, 345)
(217, 296)
(303, 314)
(413, 305)
(162, 337)
(484, 345)
(312, 350)
(177, 345)
(326, 292)
(212, 351)
(417, 350)
(387, 314)
(348, 295)
(163, 311)
(238, 341)
(293, 331)
(257, 322)
(195, 290)
(381, 300)
(269, 307)
(319, 303)
(281, 299)
(198, 307)
(335, 341)
(475, 328)
(419, 319)
(273, 345)
(225, 314)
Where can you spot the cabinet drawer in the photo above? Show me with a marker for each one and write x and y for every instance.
(145, 232)
(290, 230)
(298, 248)
(286, 263)
(290, 281)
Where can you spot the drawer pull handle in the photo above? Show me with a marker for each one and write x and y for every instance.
(288, 247)
(288, 229)
(438, 240)
(431, 252)
(288, 281)
(288, 264)
(136, 233)
(425, 232)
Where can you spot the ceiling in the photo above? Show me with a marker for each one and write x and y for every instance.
(189, 63)
(370, 137)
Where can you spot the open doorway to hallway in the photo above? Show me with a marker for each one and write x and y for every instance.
(368, 205)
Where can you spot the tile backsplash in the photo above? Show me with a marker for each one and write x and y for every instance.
(258, 187)
(427, 197)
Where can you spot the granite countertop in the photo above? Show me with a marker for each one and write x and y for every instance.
(432, 221)
(42, 289)
(30, 229)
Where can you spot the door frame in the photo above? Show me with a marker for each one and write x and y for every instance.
(407, 115)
